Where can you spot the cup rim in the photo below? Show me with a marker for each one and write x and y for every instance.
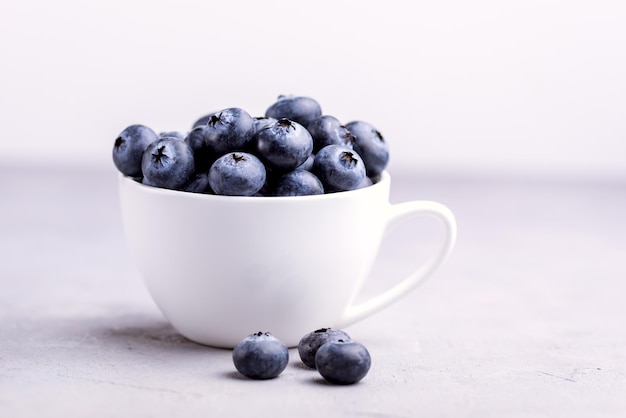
(384, 181)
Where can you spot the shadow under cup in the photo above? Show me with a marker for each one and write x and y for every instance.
(223, 267)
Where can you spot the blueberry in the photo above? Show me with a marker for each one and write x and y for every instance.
(229, 130)
(168, 163)
(199, 183)
(300, 109)
(367, 181)
(308, 164)
(298, 183)
(129, 147)
(375, 179)
(202, 155)
(261, 122)
(147, 182)
(202, 120)
(343, 362)
(311, 342)
(328, 130)
(226, 131)
(339, 168)
(371, 146)
(283, 145)
(237, 174)
(173, 134)
(260, 356)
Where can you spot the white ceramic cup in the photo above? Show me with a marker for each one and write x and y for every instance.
(223, 267)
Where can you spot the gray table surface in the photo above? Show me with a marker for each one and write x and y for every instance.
(526, 318)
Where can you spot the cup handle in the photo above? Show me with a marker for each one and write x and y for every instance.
(399, 213)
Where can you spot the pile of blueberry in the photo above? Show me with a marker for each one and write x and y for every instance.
(292, 150)
(332, 352)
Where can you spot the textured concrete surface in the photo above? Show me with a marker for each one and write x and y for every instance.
(526, 318)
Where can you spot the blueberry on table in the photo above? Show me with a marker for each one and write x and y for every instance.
(298, 183)
(283, 145)
(371, 146)
(237, 174)
(260, 356)
(300, 109)
(328, 130)
(339, 168)
(343, 362)
(129, 147)
(311, 342)
(167, 163)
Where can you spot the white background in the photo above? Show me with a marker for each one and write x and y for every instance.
(530, 87)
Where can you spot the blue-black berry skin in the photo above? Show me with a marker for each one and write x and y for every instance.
(328, 130)
(199, 183)
(283, 145)
(237, 174)
(260, 356)
(371, 146)
(298, 183)
(261, 122)
(365, 183)
(225, 131)
(300, 109)
(339, 168)
(308, 164)
(203, 156)
(168, 163)
(311, 342)
(173, 134)
(229, 130)
(202, 120)
(291, 137)
(129, 147)
(343, 362)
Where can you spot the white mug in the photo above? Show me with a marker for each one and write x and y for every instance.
(222, 267)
